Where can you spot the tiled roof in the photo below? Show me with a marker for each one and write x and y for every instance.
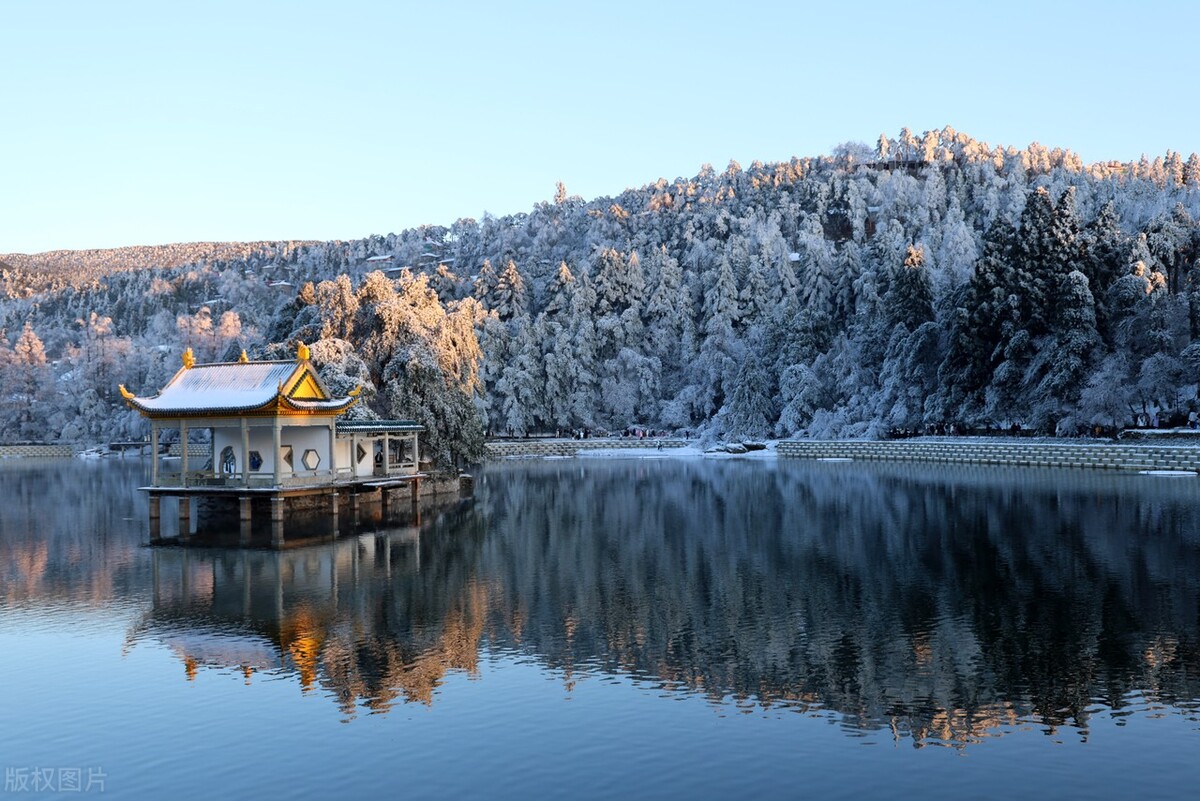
(231, 388)
(379, 426)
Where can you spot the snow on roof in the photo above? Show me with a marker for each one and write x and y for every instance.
(220, 387)
(793, 257)
(379, 258)
(223, 648)
(379, 426)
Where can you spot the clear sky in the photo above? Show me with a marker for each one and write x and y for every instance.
(131, 123)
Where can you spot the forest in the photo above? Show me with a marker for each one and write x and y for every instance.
(929, 282)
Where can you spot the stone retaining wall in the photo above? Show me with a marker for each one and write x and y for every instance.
(36, 452)
(569, 447)
(1098, 456)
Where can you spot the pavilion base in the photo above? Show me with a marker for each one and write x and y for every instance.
(284, 517)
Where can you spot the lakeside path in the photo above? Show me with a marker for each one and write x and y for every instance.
(1149, 454)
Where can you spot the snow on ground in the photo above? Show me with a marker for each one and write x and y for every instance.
(686, 452)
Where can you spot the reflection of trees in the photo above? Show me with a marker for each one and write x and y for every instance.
(64, 530)
(943, 604)
(940, 603)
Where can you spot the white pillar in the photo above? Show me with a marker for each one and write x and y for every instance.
(276, 443)
(153, 453)
(332, 451)
(245, 452)
(183, 447)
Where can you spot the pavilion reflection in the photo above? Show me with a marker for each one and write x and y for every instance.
(348, 617)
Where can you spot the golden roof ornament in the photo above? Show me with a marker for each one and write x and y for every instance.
(243, 359)
(126, 394)
(303, 354)
(189, 359)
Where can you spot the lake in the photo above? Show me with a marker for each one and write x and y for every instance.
(616, 628)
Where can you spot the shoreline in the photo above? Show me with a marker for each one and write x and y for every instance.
(1141, 455)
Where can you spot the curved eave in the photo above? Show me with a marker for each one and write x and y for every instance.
(280, 405)
(335, 405)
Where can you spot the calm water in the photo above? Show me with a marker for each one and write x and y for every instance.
(629, 628)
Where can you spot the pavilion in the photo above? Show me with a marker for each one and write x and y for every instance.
(273, 430)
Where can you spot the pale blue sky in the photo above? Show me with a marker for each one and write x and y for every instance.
(128, 123)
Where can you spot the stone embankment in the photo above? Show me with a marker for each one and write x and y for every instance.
(36, 452)
(1097, 456)
(507, 449)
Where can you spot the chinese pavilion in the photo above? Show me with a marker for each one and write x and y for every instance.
(274, 429)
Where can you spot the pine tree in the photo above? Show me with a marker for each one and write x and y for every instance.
(559, 302)
(509, 298)
(909, 301)
(485, 284)
(1058, 375)
(750, 411)
(1105, 250)
(1034, 261)
(28, 382)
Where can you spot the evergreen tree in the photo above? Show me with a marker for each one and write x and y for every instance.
(1105, 250)
(1034, 261)
(28, 383)
(1059, 372)
(509, 298)
(909, 301)
(750, 411)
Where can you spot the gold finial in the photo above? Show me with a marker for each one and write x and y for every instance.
(243, 359)
(126, 394)
(303, 353)
(189, 359)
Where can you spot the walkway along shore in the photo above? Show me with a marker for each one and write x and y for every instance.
(1096, 456)
(1124, 456)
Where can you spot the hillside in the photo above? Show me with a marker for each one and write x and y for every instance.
(59, 268)
(931, 280)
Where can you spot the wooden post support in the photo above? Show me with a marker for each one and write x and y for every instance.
(155, 519)
(353, 508)
(333, 511)
(185, 518)
(277, 522)
(383, 502)
(416, 490)
(244, 518)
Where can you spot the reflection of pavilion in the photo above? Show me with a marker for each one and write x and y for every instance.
(268, 610)
(348, 616)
